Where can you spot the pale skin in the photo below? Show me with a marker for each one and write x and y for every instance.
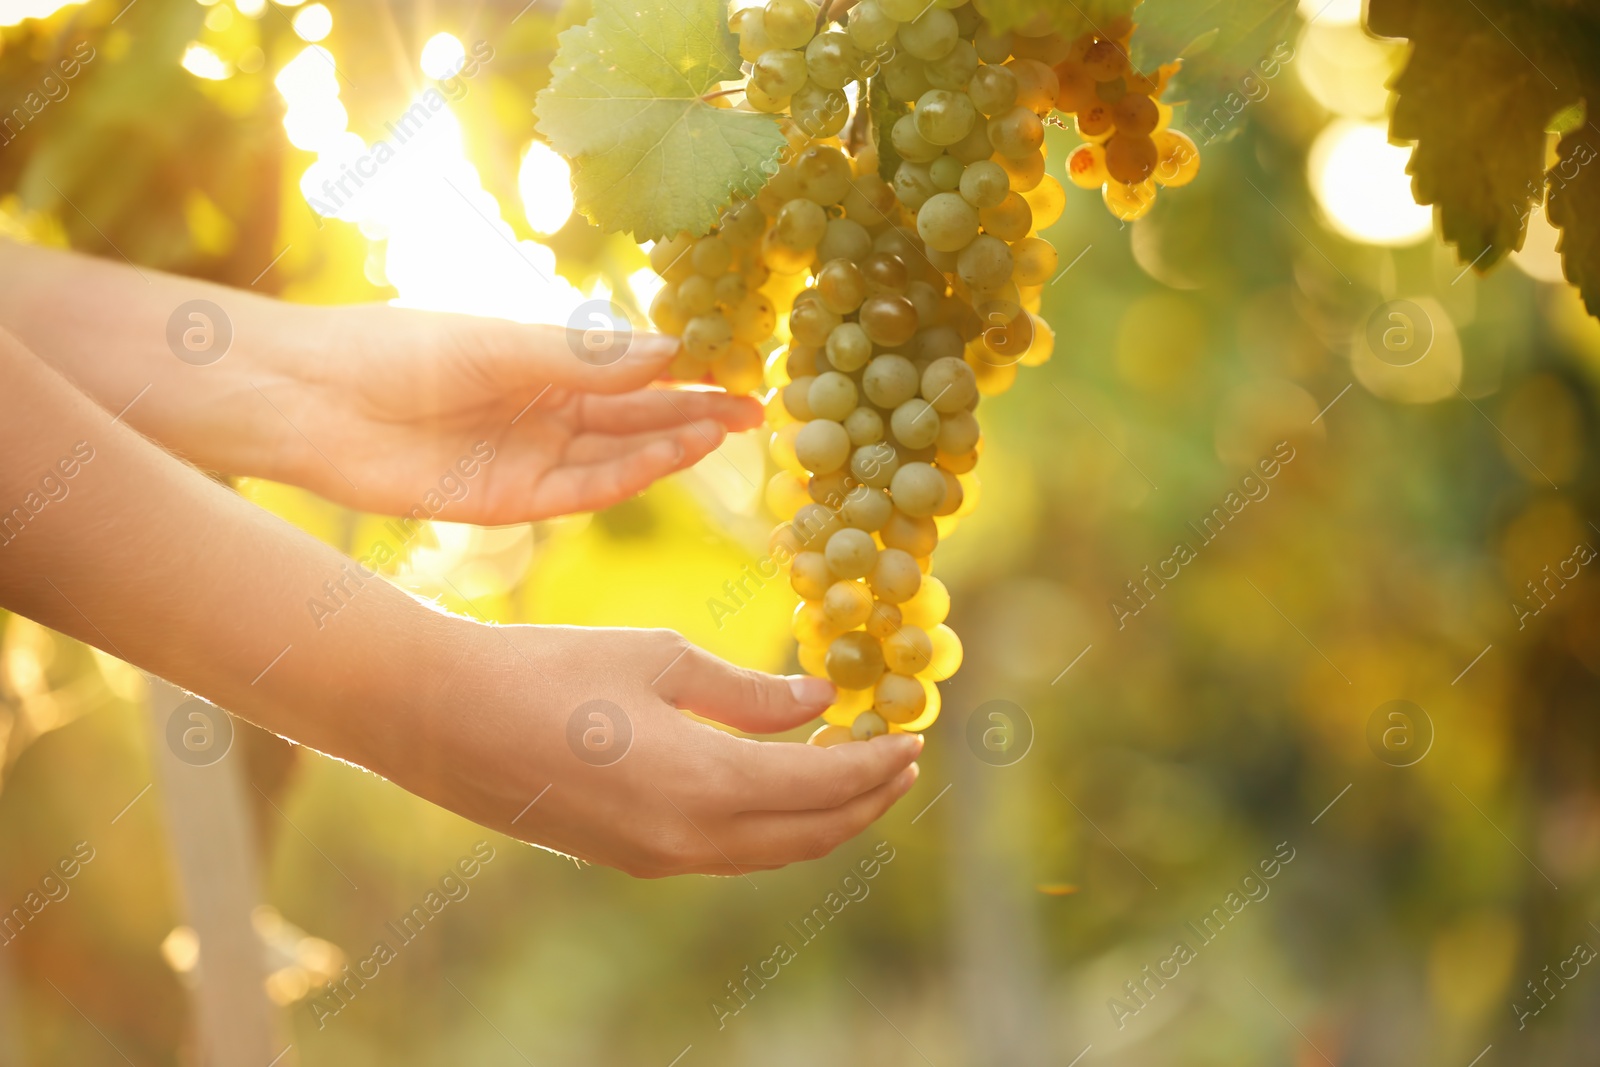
(148, 559)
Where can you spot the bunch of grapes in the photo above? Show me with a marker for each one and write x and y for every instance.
(893, 288)
(1129, 147)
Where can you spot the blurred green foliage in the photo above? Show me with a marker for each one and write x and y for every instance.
(1173, 756)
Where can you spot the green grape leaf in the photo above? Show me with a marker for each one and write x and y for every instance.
(1575, 207)
(1481, 85)
(649, 155)
(1232, 52)
(1068, 18)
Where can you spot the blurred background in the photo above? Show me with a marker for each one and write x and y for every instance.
(1439, 862)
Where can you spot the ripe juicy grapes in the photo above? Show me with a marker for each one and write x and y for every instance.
(893, 289)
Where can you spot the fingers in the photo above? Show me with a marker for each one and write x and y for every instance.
(593, 486)
(596, 447)
(660, 409)
(748, 700)
(515, 358)
(771, 776)
(763, 839)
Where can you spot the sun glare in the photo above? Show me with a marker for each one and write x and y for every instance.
(545, 184)
(443, 56)
(1360, 180)
(202, 62)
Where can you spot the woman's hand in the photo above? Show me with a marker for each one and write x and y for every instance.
(570, 738)
(370, 406)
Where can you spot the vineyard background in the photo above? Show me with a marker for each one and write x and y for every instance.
(1172, 752)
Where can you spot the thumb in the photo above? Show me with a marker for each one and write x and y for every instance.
(747, 700)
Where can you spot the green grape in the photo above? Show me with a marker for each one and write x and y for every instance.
(711, 256)
(868, 724)
(869, 200)
(918, 489)
(800, 224)
(841, 285)
(844, 239)
(754, 318)
(809, 575)
(945, 172)
(1017, 133)
(890, 380)
(955, 70)
(895, 576)
(936, 342)
(665, 311)
(949, 385)
(925, 299)
(819, 111)
(707, 336)
(898, 698)
(974, 146)
(913, 183)
(918, 536)
(832, 396)
(909, 143)
(1009, 220)
(986, 263)
(800, 361)
(697, 295)
(984, 184)
(813, 524)
(947, 222)
(958, 432)
(848, 347)
(824, 175)
(864, 425)
(670, 258)
(903, 10)
(779, 72)
(730, 290)
(992, 46)
(866, 508)
(888, 319)
(855, 661)
(790, 23)
(869, 27)
(904, 77)
(993, 90)
(931, 35)
(811, 322)
(847, 604)
(944, 117)
(1025, 173)
(885, 272)
(884, 620)
(1036, 261)
(833, 60)
(908, 650)
(829, 489)
(954, 494)
(874, 464)
(943, 262)
(750, 25)
(1037, 85)
(851, 553)
(914, 423)
(822, 446)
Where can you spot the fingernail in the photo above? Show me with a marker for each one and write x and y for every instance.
(657, 345)
(811, 691)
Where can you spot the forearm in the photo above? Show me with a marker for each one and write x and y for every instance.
(105, 327)
(149, 560)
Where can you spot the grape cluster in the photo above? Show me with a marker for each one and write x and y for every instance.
(893, 288)
(1129, 148)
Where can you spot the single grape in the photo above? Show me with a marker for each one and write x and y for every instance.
(844, 239)
(1130, 202)
(779, 72)
(898, 698)
(930, 35)
(947, 222)
(855, 661)
(974, 146)
(823, 174)
(1017, 133)
(814, 524)
(1105, 60)
(945, 173)
(833, 60)
(1086, 166)
(739, 369)
(707, 336)
(841, 285)
(917, 489)
(890, 380)
(869, 200)
(984, 184)
(697, 295)
(750, 25)
(669, 316)
(831, 396)
(809, 575)
(754, 318)
(670, 258)
(851, 553)
(1009, 220)
(985, 263)
(822, 446)
(1179, 159)
(1135, 113)
(946, 657)
(866, 508)
(864, 425)
(914, 423)
(790, 23)
(944, 117)
(1049, 49)
(849, 347)
(810, 625)
(890, 320)
(819, 111)
(886, 272)
(1131, 158)
(1094, 123)
(869, 27)
(992, 46)
(874, 465)
(884, 620)
(730, 290)
(811, 322)
(895, 577)
(829, 489)
(958, 431)
(847, 604)
(1047, 201)
(1036, 261)
(904, 77)
(953, 494)
(918, 536)
(711, 257)
(993, 89)
(903, 10)
(1037, 85)
(913, 183)
(908, 651)
(868, 724)
(948, 385)
(829, 734)
(909, 142)
(800, 224)
(955, 70)
(1025, 173)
